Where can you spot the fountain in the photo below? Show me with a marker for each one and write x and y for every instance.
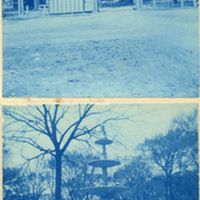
(105, 192)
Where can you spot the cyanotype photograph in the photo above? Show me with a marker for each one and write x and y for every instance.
(101, 152)
(100, 48)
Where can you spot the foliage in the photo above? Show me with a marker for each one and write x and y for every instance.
(136, 175)
(21, 186)
(176, 151)
(77, 175)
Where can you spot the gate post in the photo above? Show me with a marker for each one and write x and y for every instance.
(22, 2)
(138, 4)
(194, 3)
(154, 3)
(36, 4)
(84, 6)
(21, 7)
(96, 5)
(182, 3)
(141, 3)
(27, 10)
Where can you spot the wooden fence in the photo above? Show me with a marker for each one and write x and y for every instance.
(71, 6)
(166, 3)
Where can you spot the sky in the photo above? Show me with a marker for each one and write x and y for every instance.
(143, 121)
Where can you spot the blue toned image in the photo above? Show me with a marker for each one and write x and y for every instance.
(100, 48)
(101, 152)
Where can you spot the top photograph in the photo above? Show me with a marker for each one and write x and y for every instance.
(100, 48)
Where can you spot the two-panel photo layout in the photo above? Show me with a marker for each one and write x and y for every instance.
(121, 50)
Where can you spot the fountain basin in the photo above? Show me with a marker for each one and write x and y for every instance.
(104, 141)
(104, 163)
(105, 191)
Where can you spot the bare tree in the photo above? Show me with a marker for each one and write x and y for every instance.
(59, 125)
(172, 151)
(136, 175)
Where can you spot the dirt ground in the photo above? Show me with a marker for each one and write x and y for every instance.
(114, 53)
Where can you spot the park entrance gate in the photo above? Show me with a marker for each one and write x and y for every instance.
(72, 6)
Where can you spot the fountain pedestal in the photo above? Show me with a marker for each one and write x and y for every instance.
(105, 192)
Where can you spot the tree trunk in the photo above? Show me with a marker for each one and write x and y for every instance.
(170, 188)
(166, 189)
(58, 176)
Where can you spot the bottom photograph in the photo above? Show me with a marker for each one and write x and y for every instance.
(100, 152)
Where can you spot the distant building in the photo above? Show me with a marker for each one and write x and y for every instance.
(13, 4)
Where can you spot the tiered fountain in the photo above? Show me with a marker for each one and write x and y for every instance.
(105, 192)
